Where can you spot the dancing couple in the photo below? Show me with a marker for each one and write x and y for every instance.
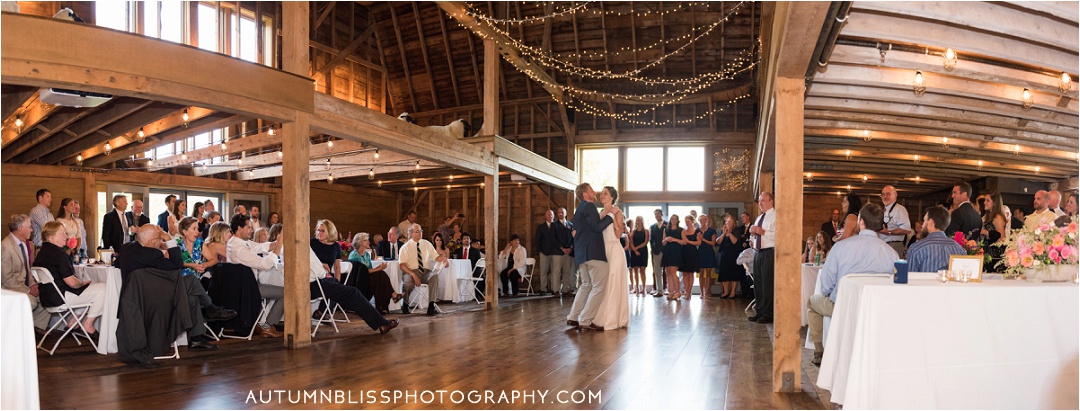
(601, 302)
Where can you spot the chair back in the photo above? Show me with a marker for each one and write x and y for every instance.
(43, 276)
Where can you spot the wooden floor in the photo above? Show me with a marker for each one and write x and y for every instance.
(687, 355)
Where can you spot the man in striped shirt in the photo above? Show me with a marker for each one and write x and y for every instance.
(932, 252)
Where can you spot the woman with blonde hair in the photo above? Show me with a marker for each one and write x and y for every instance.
(262, 235)
(325, 244)
(214, 247)
(52, 257)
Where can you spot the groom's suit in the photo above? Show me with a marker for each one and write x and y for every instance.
(590, 255)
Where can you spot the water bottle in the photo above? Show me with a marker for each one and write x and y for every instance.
(817, 258)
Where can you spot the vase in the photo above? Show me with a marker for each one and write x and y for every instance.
(1052, 273)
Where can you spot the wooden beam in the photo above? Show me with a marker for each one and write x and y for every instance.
(787, 344)
(57, 121)
(25, 105)
(233, 146)
(450, 61)
(404, 60)
(345, 166)
(1066, 10)
(321, 150)
(90, 205)
(115, 120)
(492, 117)
(523, 161)
(855, 138)
(323, 14)
(491, 240)
(203, 125)
(424, 52)
(649, 137)
(346, 52)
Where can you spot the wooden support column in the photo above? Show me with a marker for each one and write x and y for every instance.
(90, 205)
(492, 117)
(295, 184)
(787, 345)
(491, 238)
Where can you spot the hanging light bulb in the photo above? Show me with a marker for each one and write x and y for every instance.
(108, 149)
(1027, 98)
(330, 179)
(185, 116)
(270, 131)
(482, 185)
(18, 122)
(917, 159)
(945, 143)
(417, 166)
(414, 181)
(371, 174)
(223, 146)
(328, 164)
(150, 162)
(519, 184)
(849, 187)
(330, 144)
(1066, 83)
(809, 176)
(451, 178)
(140, 136)
(919, 87)
(416, 189)
(376, 153)
(239, 161)
(204, 167)
(78, 160)
(379, 183)
(980, 163)
(866, 135)
(949, 59)
(847, 154)
(864, 178)
(837, 194)
(280, 154)
(447, 187)
(183, 155)
(918, 180)
(1036, 169)
(1016, 150)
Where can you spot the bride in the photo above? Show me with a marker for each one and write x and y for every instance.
(614, 311)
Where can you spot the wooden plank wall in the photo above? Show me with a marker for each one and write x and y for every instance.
(352, 210)
(19, 194)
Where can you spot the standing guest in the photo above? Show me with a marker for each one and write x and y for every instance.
(274, 218)
(40, 214)
(730, 272)
(964, 218)
(326, 246)
(897, 222)
(1055, 203)
(209, 204)
(75, 291)
(198, 212)
(932, 253)
(693, 214)
(993, 220)
(673, 256)
(136, 216)
(830, 227)
(691, 261)
(163, 218)
(262, 235)
(864, 253)
(454, 242)
(639, 254)
(763, 239)
(416, 259)
(1070, 212)
(211, 218)
(851, 206)
(115, 226)
(191, 248)
(468, 252)
(569, 266)
(624, 241)
(66, 217)
(241, 251)
(82, 229)
(743, 232)
(16, 267)
(549, 243)
(1041, 214)
(179, 211)
(240, 209)
(255, 223)
(372, 281)
(403, 226)
(275, 231)
(446, 229)
(706, 256)
(656, 252)
(390, 248)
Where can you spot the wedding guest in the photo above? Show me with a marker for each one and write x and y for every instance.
(569, 266)
(1055, 203)
(82, 228)
(548, 243)
(743, 231)
(440, 248)
(416, 261)
(275, 232)
(468, 252)
(993, 220)
(179, 210)
(673, 255)
(830, 227)
(274, 218)
(191, 248)
(403, 226)
(349, 297)
(1017, 221)
(255, 222)
(215, 246)
(325, 244)
(390, 248)
(239, 209)
(1041, 215)
(66, 217)
(261, 235)
(16, 267)
(116, 227)
(209, 204)
(639, 254)
(40, 215)
(1070, 212)
(75, 291)
(163, 218)
(371, 280)
(136, 215)
(259, 257)
(656, 252)
(691, 260)
(763, 239)
(706, 256)
(820, 242)
(863, 253)
(512, 261)
(198, 213)
(851, 206)
(964, 218)
(897, 222)
(932, 253)
(729, 272)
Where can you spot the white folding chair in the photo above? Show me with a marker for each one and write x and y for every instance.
(530, 267)
(325, 317)
(175, 353)
(338, 308)
(477, 278)
(258, 320)
(65, 311)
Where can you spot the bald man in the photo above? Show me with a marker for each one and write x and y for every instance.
(1042, 214)
(897, 222)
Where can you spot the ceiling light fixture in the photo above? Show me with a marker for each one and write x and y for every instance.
(847, 154)
(1066, 83)
(919, 85)
(376, 153)
(1027, 98)
(185, 116)
(917, 159)
(864, 178)
(78, 160)
(866, 135)
(945, 143)
(379, 183)
(108, 149)
(280, 154)
(949, 59)
(809, 176)
(330, 143)
(150, 162)
(1016, 150)
(980, 163)
(918, 180)
(330, 179)
(270, 131)
(140, 136)
(849, 187)
(18, 122)
(1036, 169)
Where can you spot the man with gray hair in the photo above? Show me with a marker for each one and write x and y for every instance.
(16, 266)
(897, 222)
(416, 259)
(116, 227)
(1055, 203)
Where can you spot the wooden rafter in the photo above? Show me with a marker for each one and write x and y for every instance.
(450, 60)
(209, 123)
(424, 52)
(347, 51)
(404, 61)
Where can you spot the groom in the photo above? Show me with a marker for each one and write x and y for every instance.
(590, 256)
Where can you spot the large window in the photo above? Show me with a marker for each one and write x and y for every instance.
(600, 167)
(686, 169)
(113, 14)
(644, 169)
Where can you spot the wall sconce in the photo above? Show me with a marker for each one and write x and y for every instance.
(1027, 98)
(917, 159)
(108, 149)
(1066, 83)
(866, 135)
(949, 59)
(847, 154)
(980, 164)
(919, 86)
(945, 143)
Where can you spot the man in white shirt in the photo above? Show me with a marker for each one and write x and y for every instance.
(40, 215)
(1055, 203)
(512, 263)
(763, 239)
(417, 257)
(897, 222)
(241, 251)
(255, 224)
(403, 227)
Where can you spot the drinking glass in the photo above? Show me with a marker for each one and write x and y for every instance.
(943, 276)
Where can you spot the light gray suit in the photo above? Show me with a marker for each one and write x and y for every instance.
(15, 278)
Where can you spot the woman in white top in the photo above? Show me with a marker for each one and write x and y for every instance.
(66, 217)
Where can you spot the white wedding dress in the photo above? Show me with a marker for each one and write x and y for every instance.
(614, 312)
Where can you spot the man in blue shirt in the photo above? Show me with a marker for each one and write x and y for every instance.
(932, 252)
(864, 253)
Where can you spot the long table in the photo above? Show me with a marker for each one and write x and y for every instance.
(809, 278)
(998, 344)
(19, 364)
(110, 276)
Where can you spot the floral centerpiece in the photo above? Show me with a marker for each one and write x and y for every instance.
(346, 247)
(1043, 253)
(972, 247)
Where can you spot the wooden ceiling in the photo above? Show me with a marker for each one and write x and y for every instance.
(863, 117)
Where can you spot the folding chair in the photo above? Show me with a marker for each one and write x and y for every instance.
(420, 298)
(258, 320)
(326, 314)
(476, 279)
(65, 311)
(530, 268)
(337, 307)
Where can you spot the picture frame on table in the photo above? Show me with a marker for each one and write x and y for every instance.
(969, 263)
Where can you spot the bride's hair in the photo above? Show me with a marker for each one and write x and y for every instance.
(614, 193)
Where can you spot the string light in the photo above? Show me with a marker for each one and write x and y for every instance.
(945, 143)
(140, 136)
(223, 146)
(204, 167)
(1016, 150)
(482, 185)
(980, 163)
(1065, 86)
(376, 153)
(864, 178)
(183, 155)
(330, 179)
(847, 154)
(451, 178)
(185, 116)
(447, 187)
(270, 131)
(949, 59)
(414, 181)
(1036, 169)
(866, 135)
(330, 143)
(371, 174)
(583, 9)
(1027, 99)
(809, 176)
(150, 162)
(280, 154)
(379, 183)
(416, 189)
(79, 160)
(918, 180)
(18, 123)
(417, 169)
(240, 161)
(919, 86)
(849, 187)
(917, 159)
(108, 149)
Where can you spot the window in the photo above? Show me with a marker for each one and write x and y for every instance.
(113, 15)
(643, 169)
(208, 28)
(172, 21)
(686, 169)
(600, 167)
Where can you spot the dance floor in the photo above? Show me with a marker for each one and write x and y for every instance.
(685, 355)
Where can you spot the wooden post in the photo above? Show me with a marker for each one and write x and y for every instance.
(491, 240)
(295, 184)
(492, 117)
(787, 345)
(89, 213)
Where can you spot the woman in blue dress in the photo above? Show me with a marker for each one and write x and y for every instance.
(690, 259)
(672, 258)
(706, 256)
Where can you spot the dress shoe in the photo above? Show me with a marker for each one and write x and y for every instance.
(817, 358)
(765, 320)
(572, 323)
(386, 328)
(405, 308)
(268, 332)
(592, 327)
(221, 314)
(201, 345)
(431, 310)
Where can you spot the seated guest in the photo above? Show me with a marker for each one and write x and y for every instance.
(440, 250)
(1042, 213)
(417, 258)
(53, 257)
(274, 233)
(1070, 211)
(372, 281)
(211, 218)
(468, 252)
(388, 249)
(191, 248)
(931, 253)
(274, 218)
(512, 261)
(863, 253)
(325, 244)
(154, 248)
(241, 251)
(16, 267)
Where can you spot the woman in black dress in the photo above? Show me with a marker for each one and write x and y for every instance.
(52, 257)
(672, 257)
(706, 256)
(730, 272)
(639, 255)
(690, 259)
(849, 227)
(327, 248)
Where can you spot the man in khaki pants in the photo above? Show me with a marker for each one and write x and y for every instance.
(656, 251)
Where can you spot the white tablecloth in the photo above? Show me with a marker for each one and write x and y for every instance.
(999, 344)
(110, 276)
(809, 277)
(20, 387)
(461, 270)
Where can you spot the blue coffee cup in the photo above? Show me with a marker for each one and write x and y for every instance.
(900, 270)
